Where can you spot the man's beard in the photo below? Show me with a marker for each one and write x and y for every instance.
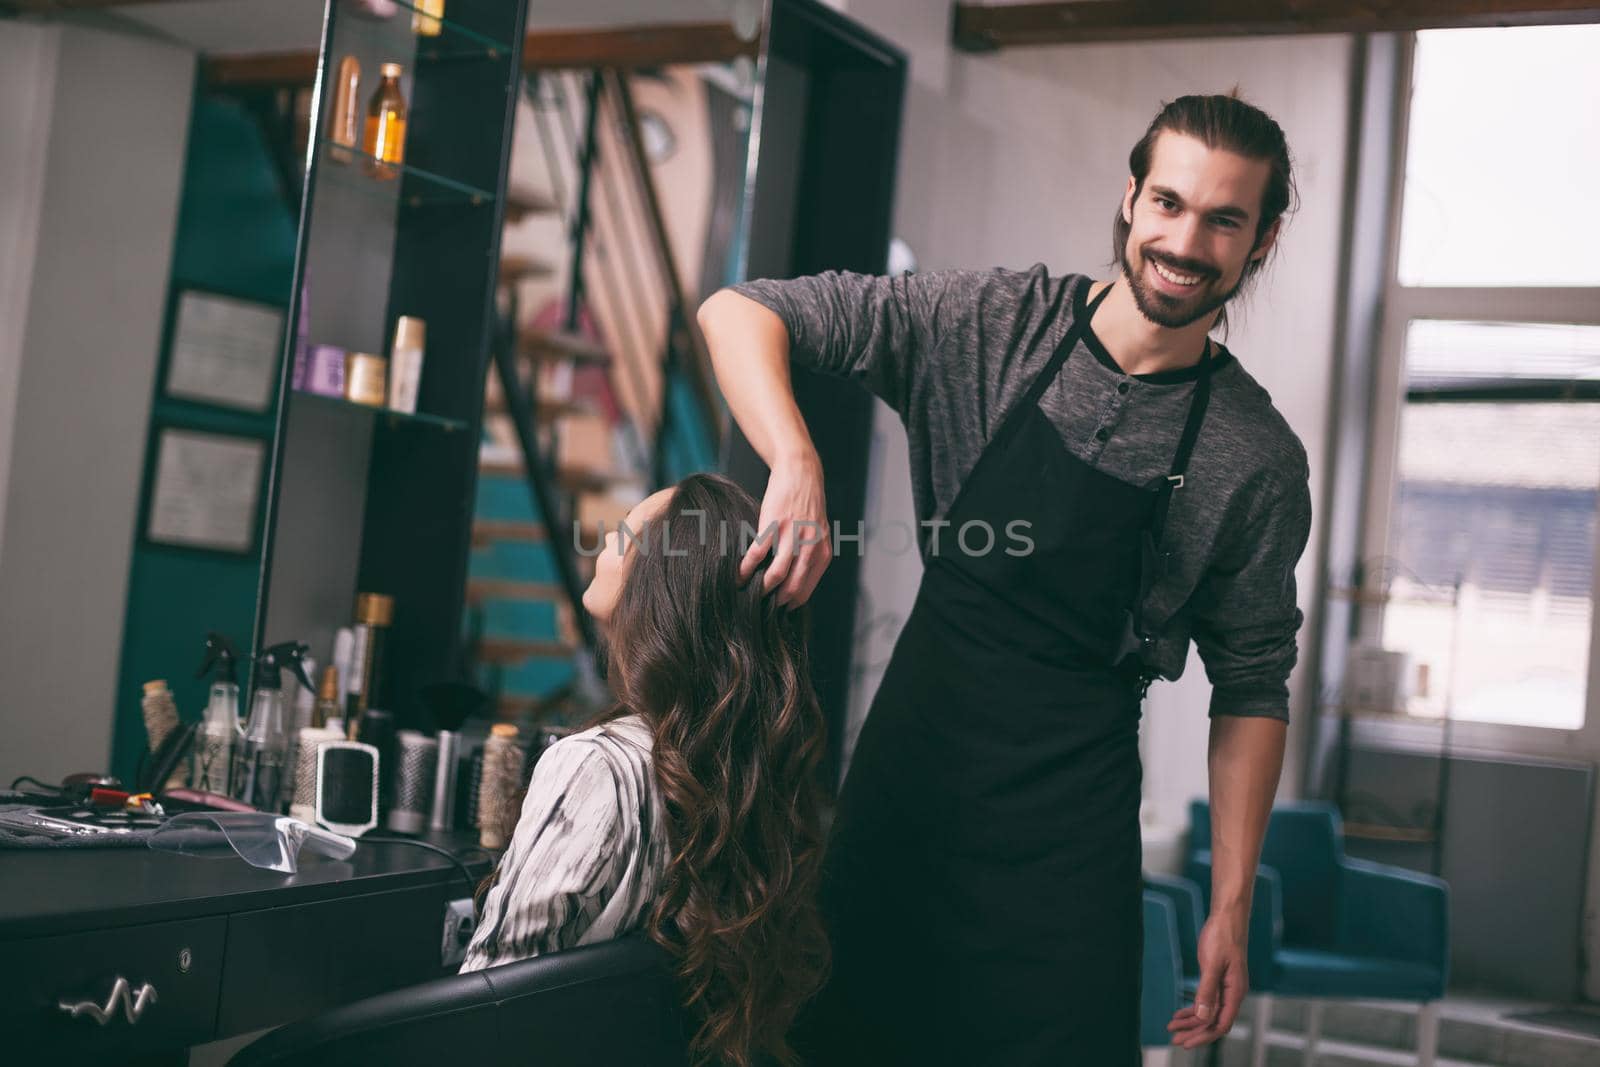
(1171, 311)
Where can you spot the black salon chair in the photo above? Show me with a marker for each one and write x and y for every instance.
(611, 1003)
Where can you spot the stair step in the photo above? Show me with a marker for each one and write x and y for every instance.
(486, 531)
(546, 411)
(507, 650)
(515, 268)
(511, 707)
(481, 589)
(542, 344)
(522, 201)
(572, 479)
(589, 480)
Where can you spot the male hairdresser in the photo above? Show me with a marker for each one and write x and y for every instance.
(982, 884)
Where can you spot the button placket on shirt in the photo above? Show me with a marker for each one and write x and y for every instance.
(1110, 416)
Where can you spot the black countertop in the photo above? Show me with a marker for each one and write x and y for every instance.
(53, 891)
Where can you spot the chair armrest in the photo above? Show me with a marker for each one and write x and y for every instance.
(1190, 914)
(1266, 917)
(1394, 913)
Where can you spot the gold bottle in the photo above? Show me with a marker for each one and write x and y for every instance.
(344, 123)
(425, 18)
(366, 379)
(386, 125)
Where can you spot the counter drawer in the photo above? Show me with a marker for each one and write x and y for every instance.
(287, 963)
(177, 966)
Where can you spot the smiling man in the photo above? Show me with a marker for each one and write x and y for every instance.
(982, 881)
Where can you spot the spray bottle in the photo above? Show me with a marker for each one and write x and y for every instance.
(262, 753)
(219, 731)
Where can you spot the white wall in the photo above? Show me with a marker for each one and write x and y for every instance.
(93, 127)
(27, 61)
(1017, 157)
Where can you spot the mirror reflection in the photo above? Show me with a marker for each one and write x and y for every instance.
(285, 427)
(150, 224)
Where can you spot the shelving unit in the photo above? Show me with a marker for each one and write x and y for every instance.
(429, 189)
(366, 499)
(388, 415)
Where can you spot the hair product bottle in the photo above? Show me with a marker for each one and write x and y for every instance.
(160, 720)
(344, 118)
(497, 790)
(386, 125)
(425, 19)
(374, 613)
(365, 380)
(213, 750)
(160, 712)
(260, 758)
(405, 364)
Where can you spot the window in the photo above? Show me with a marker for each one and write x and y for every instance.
(1494, 357)
(1495, 492)
(1503, 158)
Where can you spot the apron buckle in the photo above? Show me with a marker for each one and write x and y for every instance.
(1176, 480)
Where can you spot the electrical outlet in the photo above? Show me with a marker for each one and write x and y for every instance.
(459, 924)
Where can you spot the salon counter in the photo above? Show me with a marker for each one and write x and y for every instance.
(225, 947)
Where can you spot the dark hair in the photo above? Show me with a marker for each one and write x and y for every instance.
(1219, 122)
(721, 674)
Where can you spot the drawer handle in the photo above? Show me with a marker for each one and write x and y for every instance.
(133, 1002)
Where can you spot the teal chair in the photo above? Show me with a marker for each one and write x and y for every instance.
(1325, 927)
(1162, 991)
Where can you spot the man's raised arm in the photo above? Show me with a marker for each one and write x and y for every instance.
(749, 348)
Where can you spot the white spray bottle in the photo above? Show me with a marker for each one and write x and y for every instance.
(212, 761)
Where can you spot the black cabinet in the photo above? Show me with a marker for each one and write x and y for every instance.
(130, 989)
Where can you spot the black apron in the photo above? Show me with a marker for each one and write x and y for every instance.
(982, 882)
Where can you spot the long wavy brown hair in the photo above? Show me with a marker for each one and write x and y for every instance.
(721, 674)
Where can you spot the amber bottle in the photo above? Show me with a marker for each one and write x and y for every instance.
(385, 141)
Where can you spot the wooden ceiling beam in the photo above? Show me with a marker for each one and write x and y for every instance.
(633, 47)
(269, 70)
(982, 28)
(630, 48)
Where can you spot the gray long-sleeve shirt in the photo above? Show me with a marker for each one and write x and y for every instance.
(953, 351)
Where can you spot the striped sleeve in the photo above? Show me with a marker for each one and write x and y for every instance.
(561, 866)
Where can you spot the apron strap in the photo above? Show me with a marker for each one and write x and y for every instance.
(1186, 442)
(1042, 380)
(1154, 561)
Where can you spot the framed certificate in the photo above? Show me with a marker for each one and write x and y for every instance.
(224, 350)
(206, 490)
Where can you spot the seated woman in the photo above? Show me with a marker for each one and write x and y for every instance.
(691, 810)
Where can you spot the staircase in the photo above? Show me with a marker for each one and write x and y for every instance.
(1473, 1032)
(593, 399)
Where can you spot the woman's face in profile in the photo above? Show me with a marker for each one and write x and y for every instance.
(611, 565)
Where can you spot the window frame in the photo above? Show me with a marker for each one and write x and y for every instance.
(1401, 305)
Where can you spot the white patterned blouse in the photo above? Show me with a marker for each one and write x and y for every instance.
(589, 852)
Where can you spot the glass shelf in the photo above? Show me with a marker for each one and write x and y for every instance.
(434, 190)
(395, 417)
(1444, 597)
(454, 41)
(1355, 711)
